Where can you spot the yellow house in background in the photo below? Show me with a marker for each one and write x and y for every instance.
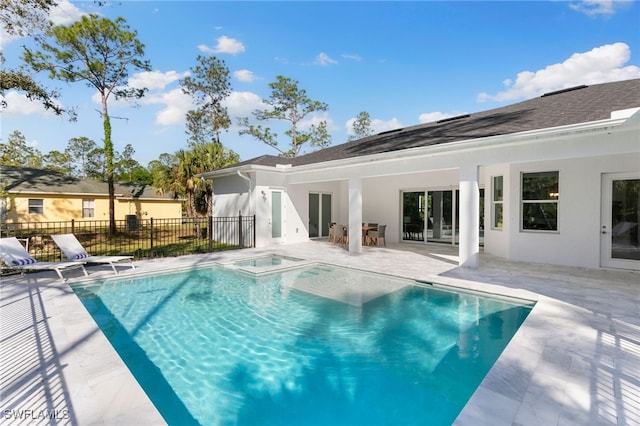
(39, 195)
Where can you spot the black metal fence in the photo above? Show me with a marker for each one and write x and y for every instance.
(141, 238)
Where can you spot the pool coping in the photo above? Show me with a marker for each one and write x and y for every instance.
(572, 362)
(295, 262)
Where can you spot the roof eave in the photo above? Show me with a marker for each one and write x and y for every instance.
(94, 194)
(466, 144)
(471, 144)
(84, 194)
(229, 171)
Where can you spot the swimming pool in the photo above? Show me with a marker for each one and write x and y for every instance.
(311, 345)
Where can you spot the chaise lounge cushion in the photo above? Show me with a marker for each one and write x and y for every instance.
(23, 261)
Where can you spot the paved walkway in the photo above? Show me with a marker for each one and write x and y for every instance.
(573, 362)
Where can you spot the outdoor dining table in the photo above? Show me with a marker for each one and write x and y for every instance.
(365, 232)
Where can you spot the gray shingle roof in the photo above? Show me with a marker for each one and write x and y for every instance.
(25, 179)
(571, 106)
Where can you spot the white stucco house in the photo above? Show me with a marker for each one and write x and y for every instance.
(554, 179)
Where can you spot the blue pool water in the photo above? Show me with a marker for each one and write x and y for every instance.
(214, 346)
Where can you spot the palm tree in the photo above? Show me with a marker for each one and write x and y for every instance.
(163, 179)
(179, 174)
(208, 157)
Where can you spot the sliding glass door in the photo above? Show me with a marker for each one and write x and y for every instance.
(319, 214)
(413, 216)
(433, 216)
(440, 217)
(428, 216)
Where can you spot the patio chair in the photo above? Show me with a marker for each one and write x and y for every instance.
(377, 235)
(333, 230)
(73, 250)
(344, 237)
(15, 256)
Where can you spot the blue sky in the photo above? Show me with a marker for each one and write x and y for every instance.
(403, 62)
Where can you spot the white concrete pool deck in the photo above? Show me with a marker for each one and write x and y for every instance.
(575, 360)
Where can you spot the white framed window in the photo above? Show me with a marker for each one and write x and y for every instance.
(36, 206)
(88, 208)
(539, 201)
(497, 200)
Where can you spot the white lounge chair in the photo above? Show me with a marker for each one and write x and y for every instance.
(73, 250)
(15, 256)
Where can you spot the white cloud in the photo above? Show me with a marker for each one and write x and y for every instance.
(229, 45)
(315, 119)
(65, 13)
(245, 76)
(324, 60)
(429, 117)
(155, 80)
(377, 125)
(599, 65)
(6, 38)
(97, 99)
(206, 49)
(241, 104)
(19, 104)
(352, 57)
(157, 83)
(599, 7)
(225, 45)
(384, 125)
(34, 143)
(176, 106)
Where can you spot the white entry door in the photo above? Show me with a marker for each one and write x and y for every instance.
(277, 216)
(620, 228)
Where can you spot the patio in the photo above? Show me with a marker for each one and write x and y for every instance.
(573, 362)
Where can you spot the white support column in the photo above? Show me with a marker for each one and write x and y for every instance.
(469, 209)
(355, 216)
